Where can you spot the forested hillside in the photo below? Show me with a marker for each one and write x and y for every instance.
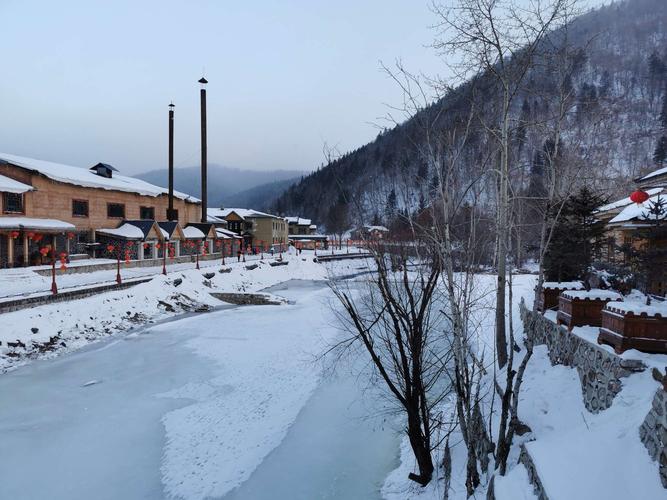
(613, 125)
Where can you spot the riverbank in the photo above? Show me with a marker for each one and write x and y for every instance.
(50, 330)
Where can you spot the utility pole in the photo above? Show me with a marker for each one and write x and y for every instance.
(204, 193)
(171, 213)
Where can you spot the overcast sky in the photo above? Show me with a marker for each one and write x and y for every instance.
(89, 81)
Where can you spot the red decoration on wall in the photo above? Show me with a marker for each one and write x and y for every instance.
(639, 196)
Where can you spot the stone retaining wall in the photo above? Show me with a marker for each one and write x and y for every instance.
(653, 432)
(600, 371)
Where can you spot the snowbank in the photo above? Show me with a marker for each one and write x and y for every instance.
(60, 327)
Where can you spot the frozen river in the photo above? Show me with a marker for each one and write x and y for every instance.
(230, 404)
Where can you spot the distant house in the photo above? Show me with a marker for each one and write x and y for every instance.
(62, 206)
(255, 227)
(624, 218)
(298, 225)
(368, 232)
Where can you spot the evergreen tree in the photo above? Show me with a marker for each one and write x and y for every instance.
(390, 210)
(663, 112)
(660, 153)
(650, 256)
(576, 237)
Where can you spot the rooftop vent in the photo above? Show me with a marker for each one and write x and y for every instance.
(104, 170)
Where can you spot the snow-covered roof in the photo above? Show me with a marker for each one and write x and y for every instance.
(299, 221)
(8, 185)
(563, 285)
(126, 231)
(244, 213)
(624, 202)
(86, 178)
(193, 233)
(595, 294)
(312, 226)
(226, 234)
(650, 175)
(636, 211)
(639, 308)
(382, 229)
(30, 223)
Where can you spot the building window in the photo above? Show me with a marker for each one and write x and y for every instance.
(147, 213)
(115, 211)
(13, 203)
(79, 208)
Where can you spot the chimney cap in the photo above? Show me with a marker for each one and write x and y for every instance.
(171, 104)
(203, 80)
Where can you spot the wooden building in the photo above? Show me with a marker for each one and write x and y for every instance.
(69, 204)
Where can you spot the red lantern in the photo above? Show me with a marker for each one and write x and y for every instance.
(110, 248)
(63, 256)
(44, 251)
(157, 245)
(130, 244)
(14, 234)
(146, 245)
(38, 237)
(639, 197)
(70, 236)
(31, 235)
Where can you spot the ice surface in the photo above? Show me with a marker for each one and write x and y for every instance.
(189, 409)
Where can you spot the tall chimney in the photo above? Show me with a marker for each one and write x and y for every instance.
(204, 187)
(171, 213)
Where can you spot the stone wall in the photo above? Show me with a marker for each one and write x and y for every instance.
(653, 432)
(600, 371)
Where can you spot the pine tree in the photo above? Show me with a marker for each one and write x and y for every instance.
(390, 210)
(663, 112)
(576, 238)
(651, 255)
(660, 153)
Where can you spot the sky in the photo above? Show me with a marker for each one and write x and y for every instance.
(90, 81)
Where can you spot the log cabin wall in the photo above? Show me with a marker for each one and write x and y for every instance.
(54, 200)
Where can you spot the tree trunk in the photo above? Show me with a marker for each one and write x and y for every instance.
(503, 228)
(421, 449)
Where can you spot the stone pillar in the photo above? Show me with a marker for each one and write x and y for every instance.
(177, 248)
(10, 251)
(154, 250)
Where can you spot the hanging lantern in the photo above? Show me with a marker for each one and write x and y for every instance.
(44, 251)
(70, 236)
(146, 245)
(14, 234)
(639, 197)
(30, 235)
(158, 246)
(38, 237)
(63, 255)
(130, 244)
(110, 248)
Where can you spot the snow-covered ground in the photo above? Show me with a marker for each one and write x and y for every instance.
(190, 408)
(74, 324)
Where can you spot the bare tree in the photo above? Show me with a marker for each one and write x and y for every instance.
(395, 319)
(497, 41)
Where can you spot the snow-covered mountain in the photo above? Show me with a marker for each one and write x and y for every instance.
(619, 82)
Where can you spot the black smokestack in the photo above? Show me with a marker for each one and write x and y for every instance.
(171, 213)
(204, 192)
